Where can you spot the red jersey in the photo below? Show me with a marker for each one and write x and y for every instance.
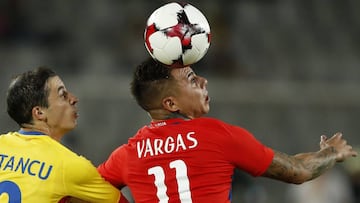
(188, 161)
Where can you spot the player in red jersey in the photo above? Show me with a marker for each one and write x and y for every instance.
(184, 157)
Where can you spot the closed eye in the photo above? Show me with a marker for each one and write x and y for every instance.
(192, 77)
(64, 95)
(62, 92)
(194, 80)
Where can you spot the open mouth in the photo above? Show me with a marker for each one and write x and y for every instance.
(76, 114)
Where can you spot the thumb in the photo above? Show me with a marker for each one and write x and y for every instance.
(323, 139)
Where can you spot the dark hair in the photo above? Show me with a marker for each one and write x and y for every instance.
(150, 83)
(26, 91)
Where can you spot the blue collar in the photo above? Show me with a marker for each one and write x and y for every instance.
(30, 132)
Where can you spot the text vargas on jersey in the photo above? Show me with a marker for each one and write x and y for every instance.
(157, 146)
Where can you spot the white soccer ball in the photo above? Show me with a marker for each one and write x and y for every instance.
(177, 35)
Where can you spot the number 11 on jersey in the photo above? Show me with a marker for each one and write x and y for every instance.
(181, 178)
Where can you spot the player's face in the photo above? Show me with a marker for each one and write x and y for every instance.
(191, 94)
(62, 113)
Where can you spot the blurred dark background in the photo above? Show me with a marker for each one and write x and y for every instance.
(287, 70)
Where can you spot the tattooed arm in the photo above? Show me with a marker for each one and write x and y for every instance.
(303, 167)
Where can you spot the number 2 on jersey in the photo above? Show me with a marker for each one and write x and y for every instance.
(12, 190)
(181, 178)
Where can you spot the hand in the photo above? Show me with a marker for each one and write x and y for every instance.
(339, 145)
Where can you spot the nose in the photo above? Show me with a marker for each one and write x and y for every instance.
(73, 99)
(204, 82)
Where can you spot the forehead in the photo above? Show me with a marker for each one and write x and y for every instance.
(54, 83)
(182, 73)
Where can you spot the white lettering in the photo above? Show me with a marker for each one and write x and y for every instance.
(192, 139)
(148, 148)
(170, 144)
(158, 143)
(180, 143)
(140, 148)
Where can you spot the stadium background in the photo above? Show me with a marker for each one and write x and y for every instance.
(287, 70)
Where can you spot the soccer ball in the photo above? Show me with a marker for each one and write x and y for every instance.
(177, 35)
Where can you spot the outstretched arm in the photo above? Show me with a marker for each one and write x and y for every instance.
(303, 167)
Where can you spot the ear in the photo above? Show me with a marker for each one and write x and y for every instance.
(38, 113)
(170, 104)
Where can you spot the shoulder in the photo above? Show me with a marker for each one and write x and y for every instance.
(221, 127)
(9, 136)
(121, 151)
(213, 123)
(71, 166)
(72, 161)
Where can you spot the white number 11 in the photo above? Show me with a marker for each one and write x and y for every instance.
(181, 178)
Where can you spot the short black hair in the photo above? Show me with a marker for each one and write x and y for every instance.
(26, 91)
(149, 81)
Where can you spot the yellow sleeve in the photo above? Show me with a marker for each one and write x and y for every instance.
(82, 180)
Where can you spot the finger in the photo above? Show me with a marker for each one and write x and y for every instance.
(323, 139)
(338, 135)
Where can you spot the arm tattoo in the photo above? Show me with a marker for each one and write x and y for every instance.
(300, 167)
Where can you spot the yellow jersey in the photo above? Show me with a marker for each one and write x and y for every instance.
(36, 168)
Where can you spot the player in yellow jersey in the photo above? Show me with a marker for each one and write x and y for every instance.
(34, 166)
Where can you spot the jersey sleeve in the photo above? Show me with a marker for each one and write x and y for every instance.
(246, 152)
(82, 180)
(112, 169)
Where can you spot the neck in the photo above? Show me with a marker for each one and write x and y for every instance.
(157, 116)
(44, 130)
(32, 128)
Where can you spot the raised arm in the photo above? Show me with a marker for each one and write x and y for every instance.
(303, 167)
